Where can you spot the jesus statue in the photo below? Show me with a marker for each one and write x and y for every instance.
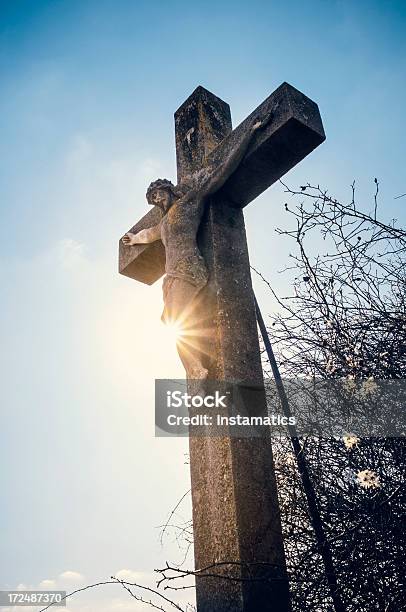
(186, 272)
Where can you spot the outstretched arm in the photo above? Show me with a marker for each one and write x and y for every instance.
(217, 180)
(145, 236)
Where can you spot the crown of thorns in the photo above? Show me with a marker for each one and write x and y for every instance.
(160, 184)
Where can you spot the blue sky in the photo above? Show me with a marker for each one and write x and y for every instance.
(88, 91)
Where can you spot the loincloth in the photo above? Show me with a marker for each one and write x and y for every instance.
(179, 293)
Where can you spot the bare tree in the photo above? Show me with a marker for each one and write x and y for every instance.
(344, 320)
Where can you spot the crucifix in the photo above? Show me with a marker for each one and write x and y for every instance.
(195, 234)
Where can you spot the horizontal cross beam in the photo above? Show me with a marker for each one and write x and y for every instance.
(295, 129)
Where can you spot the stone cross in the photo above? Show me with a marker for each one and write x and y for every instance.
(236, 522)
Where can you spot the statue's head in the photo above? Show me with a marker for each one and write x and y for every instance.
(161, 193)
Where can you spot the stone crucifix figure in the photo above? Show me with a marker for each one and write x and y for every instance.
(195, 233)
(185, 268)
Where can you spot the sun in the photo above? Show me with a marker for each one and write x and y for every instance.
(173, 331)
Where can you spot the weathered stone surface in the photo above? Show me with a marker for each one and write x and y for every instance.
(295, 130)
(201, 123)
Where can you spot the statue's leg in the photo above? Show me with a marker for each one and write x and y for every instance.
(181, 298)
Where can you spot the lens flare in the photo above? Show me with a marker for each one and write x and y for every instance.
(173, 331)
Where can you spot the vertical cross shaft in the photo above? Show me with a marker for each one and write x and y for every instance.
(235, 506)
